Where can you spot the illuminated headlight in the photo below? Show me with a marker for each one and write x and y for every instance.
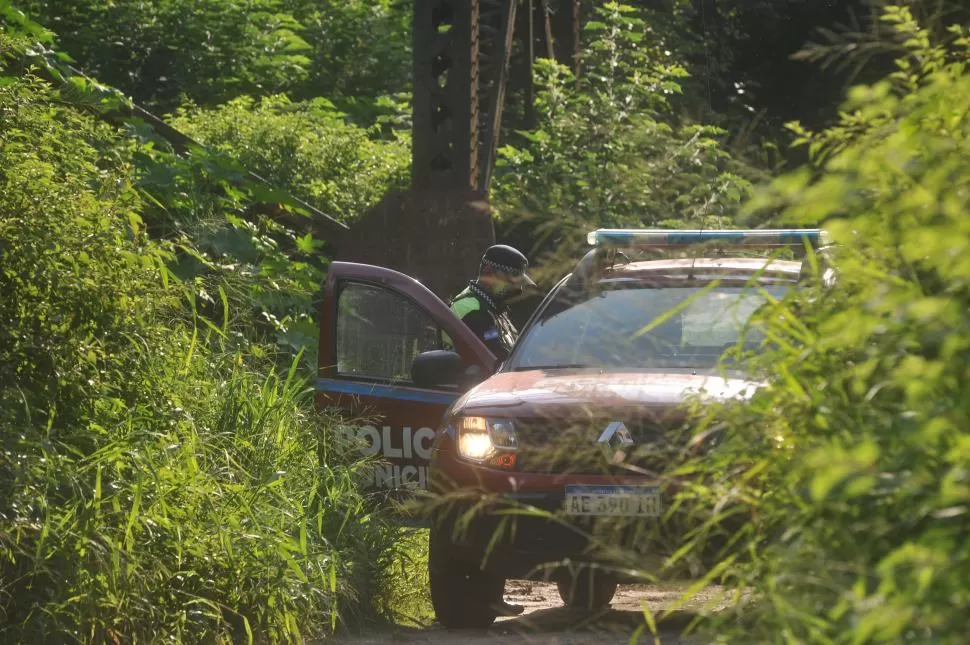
(485, 440)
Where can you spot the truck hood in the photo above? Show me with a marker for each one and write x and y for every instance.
(593, 392)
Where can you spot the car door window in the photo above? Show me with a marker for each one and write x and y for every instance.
(379, 332)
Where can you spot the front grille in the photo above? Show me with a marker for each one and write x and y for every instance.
(562, 447)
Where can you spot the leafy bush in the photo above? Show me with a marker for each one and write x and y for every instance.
(361, 49)
(160, 51)
(235, 237)
(308, 148)
(159, 478)
(270, 264)
(851, 466)
(211, 51)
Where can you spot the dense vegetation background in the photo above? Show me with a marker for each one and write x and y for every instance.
(163, 474)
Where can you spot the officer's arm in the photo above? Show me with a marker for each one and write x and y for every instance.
(484, 327)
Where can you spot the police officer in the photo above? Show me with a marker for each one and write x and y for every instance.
(482, 304)
(482, 307)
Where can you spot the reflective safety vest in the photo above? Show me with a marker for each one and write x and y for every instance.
(478, 311)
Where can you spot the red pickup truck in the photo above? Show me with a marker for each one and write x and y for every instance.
(600, 370)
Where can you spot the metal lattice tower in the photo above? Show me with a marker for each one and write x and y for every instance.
(462, 53)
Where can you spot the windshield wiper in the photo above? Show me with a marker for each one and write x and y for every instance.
(564, 366)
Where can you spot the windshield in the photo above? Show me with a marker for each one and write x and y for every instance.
(605, 330)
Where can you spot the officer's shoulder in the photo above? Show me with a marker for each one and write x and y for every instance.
(465, 304)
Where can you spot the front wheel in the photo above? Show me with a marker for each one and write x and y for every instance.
(463, 595)
(587, 590)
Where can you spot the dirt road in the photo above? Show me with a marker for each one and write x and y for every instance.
(547, 622)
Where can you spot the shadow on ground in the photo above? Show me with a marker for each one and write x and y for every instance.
(606, 622)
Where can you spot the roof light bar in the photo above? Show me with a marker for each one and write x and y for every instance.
(671, 238)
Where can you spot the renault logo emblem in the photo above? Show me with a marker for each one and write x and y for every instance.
(615, 441)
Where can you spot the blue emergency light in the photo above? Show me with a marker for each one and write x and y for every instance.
(620, 238)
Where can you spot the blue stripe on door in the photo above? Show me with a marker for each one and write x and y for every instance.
(384, 391)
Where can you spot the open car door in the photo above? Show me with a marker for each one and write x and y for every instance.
(374, 322)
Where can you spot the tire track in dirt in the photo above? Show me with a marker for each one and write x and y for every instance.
(547, 622)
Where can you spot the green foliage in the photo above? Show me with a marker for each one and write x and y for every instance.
(160, 479)
(234, 239)
(158, 51)
(308, 147)
(210, 51)
(409, 595)
(361, 50)
(850, 468)
(255, 243)
(607, 150)
(271, 262)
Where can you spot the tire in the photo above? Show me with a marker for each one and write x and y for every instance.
(462, 595)
(586, 591)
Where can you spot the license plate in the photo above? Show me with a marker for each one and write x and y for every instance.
(619, 501)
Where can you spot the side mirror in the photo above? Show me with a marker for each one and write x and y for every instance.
(436, 368)
(442, 368)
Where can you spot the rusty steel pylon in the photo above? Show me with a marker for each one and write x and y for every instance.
(462, 49)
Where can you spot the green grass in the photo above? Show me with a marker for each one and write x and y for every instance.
(208, 518)
(409, 598)
(162, 477)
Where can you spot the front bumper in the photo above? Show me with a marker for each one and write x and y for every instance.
(514, 523)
